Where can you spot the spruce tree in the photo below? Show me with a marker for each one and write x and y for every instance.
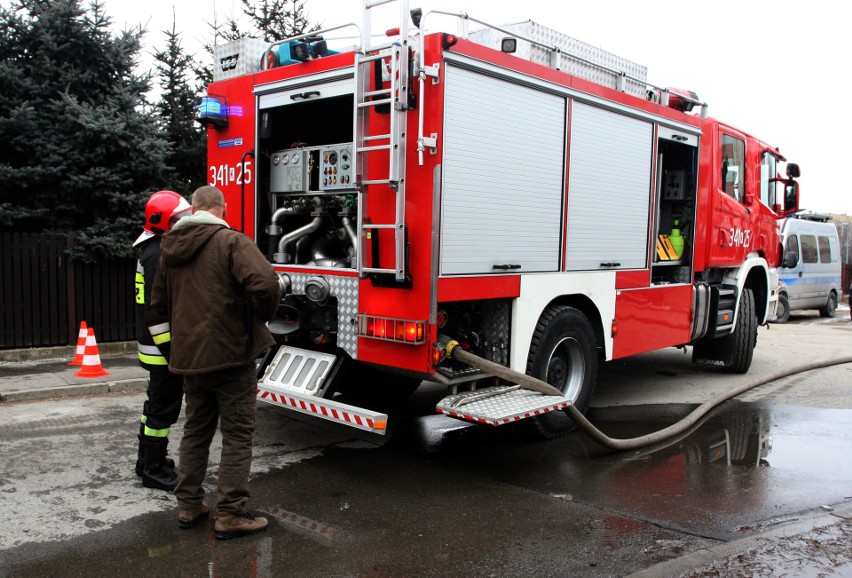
(176, 111)
(275, 20)
(80, 150)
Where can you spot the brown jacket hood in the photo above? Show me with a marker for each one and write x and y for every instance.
(187, 238)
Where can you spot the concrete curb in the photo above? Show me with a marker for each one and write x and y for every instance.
(63, 352)
(700, 558)
(101, 387)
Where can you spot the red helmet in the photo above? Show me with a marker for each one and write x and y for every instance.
(162, 211)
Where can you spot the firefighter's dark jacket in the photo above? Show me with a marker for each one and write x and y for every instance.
(213, 294)
(151, 356)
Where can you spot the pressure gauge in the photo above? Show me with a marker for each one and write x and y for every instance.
(332, 158)
(275, 159)
(285, 159)
(295, 158)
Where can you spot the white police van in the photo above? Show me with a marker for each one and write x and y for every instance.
(810, 275)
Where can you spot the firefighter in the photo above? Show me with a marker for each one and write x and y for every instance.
(165, 389)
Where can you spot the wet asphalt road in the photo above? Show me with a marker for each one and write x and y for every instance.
(438, 498)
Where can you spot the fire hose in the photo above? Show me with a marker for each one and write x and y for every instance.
(534, 384)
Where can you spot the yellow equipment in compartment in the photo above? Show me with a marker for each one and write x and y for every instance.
(665, 250)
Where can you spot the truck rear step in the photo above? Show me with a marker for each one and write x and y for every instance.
(296, 379)
(500, 405)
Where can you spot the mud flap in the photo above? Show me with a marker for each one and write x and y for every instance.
(500, 405)
(717, 352)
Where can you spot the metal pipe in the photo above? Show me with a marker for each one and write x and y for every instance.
(350, 233)
(292, 210)
(299, 233)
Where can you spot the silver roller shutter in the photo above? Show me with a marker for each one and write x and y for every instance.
(609, 190)
(503, 166)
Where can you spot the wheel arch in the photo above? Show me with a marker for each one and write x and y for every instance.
(587, 307)
(591, 293)
(752, 274)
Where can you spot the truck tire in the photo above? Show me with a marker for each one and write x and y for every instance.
(782, 312)
(745, 334)
(830, 306)
(563, 354)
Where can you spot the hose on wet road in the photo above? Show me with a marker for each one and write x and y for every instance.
(529, 382)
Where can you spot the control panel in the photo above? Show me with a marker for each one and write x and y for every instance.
(289, 171)
(335, 167)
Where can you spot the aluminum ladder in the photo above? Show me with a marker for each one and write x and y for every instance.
(394, 55)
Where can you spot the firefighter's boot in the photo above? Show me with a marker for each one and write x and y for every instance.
(157, 473)
(140, 455)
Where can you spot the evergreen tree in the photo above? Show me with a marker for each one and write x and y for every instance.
(274, 20)
(271, 20)
(79, 152)
(176, 110)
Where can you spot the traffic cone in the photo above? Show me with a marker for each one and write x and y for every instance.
(81, 345)
(91, 359)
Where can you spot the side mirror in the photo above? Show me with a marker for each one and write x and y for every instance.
(791, 197)
(790, 260)
(793, 171)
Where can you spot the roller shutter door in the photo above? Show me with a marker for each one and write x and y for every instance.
(503, 171)
(609, 190)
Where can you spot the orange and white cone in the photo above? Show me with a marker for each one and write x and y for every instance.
(91, 359)
(81, 345)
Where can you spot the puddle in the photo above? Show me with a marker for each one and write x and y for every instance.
(745, 463)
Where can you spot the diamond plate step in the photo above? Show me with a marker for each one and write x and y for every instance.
(299, 371)
(500, 405)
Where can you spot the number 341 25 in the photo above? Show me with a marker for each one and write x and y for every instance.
(223, 175)
(740, 237)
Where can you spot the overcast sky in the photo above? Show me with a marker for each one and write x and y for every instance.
(773, 69)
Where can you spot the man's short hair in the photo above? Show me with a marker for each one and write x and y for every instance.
(207, 197)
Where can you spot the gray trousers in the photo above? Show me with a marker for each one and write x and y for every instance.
(230, 396)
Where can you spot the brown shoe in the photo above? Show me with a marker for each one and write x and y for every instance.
(235, 525)
(189, 517)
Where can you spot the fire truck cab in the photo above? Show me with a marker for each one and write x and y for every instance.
(546, 211)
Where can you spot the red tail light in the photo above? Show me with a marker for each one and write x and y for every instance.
(388, 329)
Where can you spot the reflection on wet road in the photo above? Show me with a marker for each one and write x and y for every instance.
(744, 464)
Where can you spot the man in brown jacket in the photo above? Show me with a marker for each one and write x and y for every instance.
(212, 296)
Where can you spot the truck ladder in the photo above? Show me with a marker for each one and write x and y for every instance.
(394, 98)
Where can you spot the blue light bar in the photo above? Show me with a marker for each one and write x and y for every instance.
(212, 111)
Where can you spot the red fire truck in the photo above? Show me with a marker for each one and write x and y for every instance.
(532, 198)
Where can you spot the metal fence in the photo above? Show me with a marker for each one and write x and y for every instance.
(44, 295)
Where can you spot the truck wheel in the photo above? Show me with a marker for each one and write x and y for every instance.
(745, 334)
(563, 354)
(830, 306)
(782, 312)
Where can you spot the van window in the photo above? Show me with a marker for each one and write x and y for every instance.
(809, 248)
(733, 166)
(792, 246)
(824, 250)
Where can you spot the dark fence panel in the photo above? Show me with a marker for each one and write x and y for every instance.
(33, 307)
(104, 298)
(44, 296)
